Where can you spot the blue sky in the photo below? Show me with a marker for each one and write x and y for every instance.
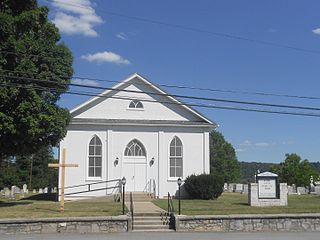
(110, 47)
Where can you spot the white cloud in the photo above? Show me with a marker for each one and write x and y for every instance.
(245, 143)
(101, 57)
(262, 144)
(316, 31)
(76, 17)
(87, 82)
(122, 36)
(240, 150)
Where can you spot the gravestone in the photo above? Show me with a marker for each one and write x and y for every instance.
(239, 188)
(317, 190)
(14, 190)
(40, 190)
(302, 190)
(245, 188)
(34, 191)
(291, 190)
(55, 189)
(7, 192)
(230, 187)
(225, 187)
(25, 188)
(45, 190)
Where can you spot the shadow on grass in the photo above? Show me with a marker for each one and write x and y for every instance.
(240, 204)
(53, 197)
(13, 203)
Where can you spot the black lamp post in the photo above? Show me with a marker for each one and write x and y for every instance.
(179, 181)
(123, 182)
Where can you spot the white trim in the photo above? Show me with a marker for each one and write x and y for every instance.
(130, 78)
(88, 178)
(135, 109)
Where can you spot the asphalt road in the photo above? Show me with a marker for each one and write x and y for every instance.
(169, 236)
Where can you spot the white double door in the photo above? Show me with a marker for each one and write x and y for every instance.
(134, 169)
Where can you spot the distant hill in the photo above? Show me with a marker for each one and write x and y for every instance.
(248, 169)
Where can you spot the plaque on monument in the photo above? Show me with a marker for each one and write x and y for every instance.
(267, 185)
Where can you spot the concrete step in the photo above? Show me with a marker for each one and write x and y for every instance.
(144, 222)
(148, 214)
(153, 230)
(150, 227)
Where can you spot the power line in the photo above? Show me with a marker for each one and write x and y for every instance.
(184, 87)
(198, 30)
(164, 102)
(169, 95)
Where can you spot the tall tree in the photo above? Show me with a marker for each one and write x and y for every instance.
(30, 49)
(296, 171)
(17, 170)
(223, 159)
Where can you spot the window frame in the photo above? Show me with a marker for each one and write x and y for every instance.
(174, 178)
(135, 142)
(94, 155)
(135, 108)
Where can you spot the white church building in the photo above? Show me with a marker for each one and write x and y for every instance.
(138, 131)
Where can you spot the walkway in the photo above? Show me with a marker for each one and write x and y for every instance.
(142, 204)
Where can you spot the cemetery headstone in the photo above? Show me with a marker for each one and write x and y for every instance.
(7, 192)
(245, 188)
(34, 191)
(302, 190)
(25, 188)
(291, 190)
(225, 187)
(40, 190)
(45, 190)
(317, 190)
(239, 188)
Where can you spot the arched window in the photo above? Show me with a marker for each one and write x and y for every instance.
(135, 104)
(135, 148)
(95, 157)
(176, 159)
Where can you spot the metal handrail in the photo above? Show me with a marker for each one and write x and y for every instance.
(154, 188)
(107, 181)
(131, 209)
(117, 186)
(170, 204)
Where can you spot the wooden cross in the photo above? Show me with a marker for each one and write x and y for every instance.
(63, 166)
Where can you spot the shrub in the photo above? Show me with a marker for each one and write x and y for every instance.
(204, 186)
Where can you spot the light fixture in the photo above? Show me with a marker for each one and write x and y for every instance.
(116, 161)
(179, 181)
(123, 181)
(152, 161)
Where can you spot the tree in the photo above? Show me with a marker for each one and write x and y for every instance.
(223, 159)
(17, 170)
(30, 55)
(296, 171)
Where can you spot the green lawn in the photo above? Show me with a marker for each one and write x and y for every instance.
(235, 203)
(37, 208)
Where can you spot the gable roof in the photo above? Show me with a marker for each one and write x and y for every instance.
(74, 112)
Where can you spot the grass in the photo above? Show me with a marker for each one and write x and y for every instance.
(37, 207)
(229, 203)
(235, 203)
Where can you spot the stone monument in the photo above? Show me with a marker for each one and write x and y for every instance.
(267, 191)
